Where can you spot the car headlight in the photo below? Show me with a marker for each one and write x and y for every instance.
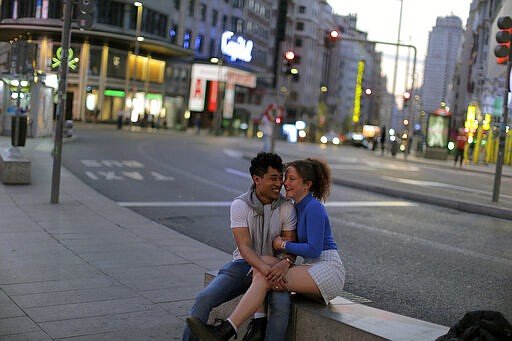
(323, 139)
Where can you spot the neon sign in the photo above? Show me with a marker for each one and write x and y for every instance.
(72, 62)
(238, 48)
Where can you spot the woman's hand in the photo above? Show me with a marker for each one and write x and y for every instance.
(276, 243)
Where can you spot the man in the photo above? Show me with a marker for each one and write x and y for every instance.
(257, 217)
(461, 145)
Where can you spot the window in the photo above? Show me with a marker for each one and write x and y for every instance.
(111, 13)
(198, 46)
(186, 39)
(202, 12)
(173, 32)
(302, 9)
(298, 42)
(215, 17)
(224, 22)
(299, 26)
(238, 3)
(212, 50)
(177, 4)
(191, 8)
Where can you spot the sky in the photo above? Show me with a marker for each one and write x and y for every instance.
(380, 18)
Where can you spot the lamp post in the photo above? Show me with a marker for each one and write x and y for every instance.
(217, 117)
(138, 39)
(396, 60)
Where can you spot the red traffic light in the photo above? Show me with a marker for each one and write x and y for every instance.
(503, 37)
(334, 35)
(407, 96)
(289, 55)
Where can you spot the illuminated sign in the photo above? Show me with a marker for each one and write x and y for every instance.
(72, 62)
(359, 91)
(238, 48)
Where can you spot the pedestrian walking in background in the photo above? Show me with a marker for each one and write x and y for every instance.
(257, 217)
(267, 123)
(120, 118)
(460, 143)
(382, 140)
(322, 275)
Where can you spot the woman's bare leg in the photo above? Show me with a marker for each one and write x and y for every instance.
(300, 281)
(254, 297)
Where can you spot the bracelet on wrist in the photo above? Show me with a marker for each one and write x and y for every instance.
(289, 260)
(282, 247)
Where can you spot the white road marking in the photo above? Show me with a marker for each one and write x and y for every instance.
(369, 203)
(91, 175)
(439, 184)
(228, 203)
(175, 204)
(236, 154)
(239, 173)
(160, 177)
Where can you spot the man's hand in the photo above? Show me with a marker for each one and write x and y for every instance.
(276, 243)
(277, 274)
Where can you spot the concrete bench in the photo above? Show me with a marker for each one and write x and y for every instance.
(341, 320)
(14, 169)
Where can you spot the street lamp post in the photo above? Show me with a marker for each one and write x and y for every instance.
(396, 61)
(138, 39)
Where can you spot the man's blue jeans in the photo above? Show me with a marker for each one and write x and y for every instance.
(233, 280)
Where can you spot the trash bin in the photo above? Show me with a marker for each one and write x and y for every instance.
(22, 132)
(394, 147)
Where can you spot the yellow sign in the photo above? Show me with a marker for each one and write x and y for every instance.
(359, 91)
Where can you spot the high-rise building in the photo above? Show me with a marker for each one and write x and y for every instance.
(443, 52)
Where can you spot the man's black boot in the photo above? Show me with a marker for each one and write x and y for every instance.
(222, 331)
(256, 330)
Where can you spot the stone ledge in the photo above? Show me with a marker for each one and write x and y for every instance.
(342, 320)
(14, 170)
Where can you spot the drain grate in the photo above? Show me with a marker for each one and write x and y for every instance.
(354, 298)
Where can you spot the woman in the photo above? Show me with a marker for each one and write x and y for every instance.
(322, 275)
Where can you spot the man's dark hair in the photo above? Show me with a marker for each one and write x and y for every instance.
(260, 164)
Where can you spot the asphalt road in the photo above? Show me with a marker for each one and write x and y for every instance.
(419, 260)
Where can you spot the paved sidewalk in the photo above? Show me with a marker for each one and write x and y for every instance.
(87, 268)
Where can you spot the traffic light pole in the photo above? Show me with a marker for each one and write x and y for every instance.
(61, 104)
(502, 137)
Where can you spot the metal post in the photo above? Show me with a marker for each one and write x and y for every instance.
(61, 104)
(396, 63)
(136, 52)
(503, 136)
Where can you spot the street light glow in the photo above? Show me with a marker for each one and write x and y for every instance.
(137, 3)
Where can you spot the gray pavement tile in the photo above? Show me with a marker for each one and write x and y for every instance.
(59, 285)
(46, 272)
(131, 258)
(169, 331)
(178, 308)
(8, 308)
(17, 224)
(73, 296)
(31, 336)
(159, 277)
(17, 325)
(174, 293)
(88, 309)
(148, 319)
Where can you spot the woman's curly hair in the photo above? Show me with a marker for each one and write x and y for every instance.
(317, 171)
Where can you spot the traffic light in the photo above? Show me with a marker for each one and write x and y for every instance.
(503, 37)
(331, 37)
(407, 97)
(405, 122)
(291, 59)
